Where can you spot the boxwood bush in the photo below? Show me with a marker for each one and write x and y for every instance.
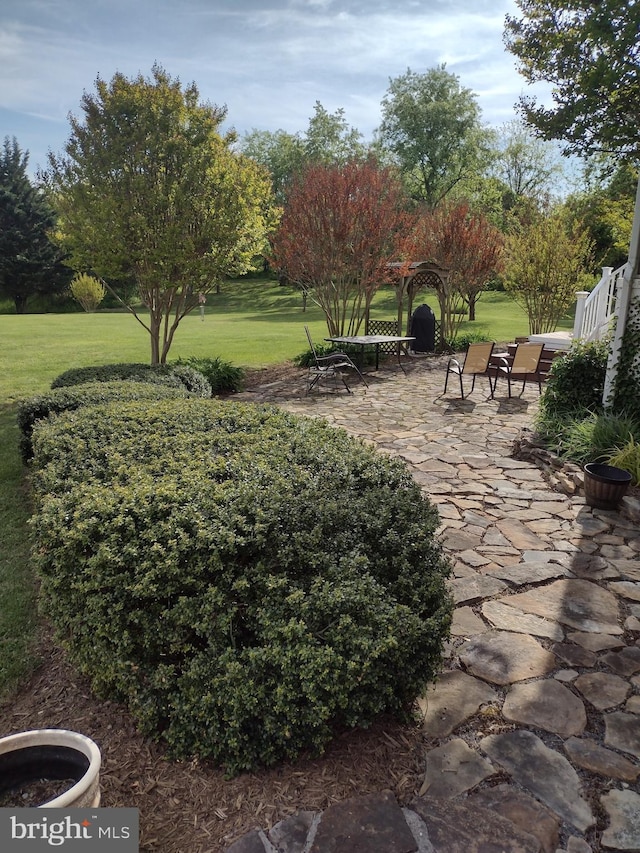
(576, 381)
(176, 374)
(248, 581)
(91, 393)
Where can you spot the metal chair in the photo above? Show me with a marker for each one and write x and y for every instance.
(476, 363)
(330, 366)
(525, 365)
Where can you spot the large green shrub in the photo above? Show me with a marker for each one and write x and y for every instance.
(246, 580)
(224, 377)
(176, 375)
(572, 392)
(91, 393)
(576, 381)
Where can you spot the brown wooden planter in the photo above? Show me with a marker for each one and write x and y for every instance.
(605, 485)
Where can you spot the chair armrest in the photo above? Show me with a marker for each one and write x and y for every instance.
(334, 356)
(501, 362)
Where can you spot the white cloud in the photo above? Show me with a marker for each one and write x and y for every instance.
(268, 60)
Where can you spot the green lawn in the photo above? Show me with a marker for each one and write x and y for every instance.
(250, 323)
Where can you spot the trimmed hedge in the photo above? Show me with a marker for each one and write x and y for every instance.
(248, 581)
(176, 375)
(91, 393)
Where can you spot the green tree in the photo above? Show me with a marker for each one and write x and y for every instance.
(527, 165)
(545, 262)
(605, 205)
(149, 189)
(328, 140)
(588, 51)
(431, 124)
(30, 262)
(280, 152)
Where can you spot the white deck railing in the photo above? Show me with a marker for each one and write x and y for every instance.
(595, 310)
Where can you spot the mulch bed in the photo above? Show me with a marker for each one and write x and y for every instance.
(189, 806)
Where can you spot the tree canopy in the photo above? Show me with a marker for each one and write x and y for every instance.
(30, 263)
(148, 188)
(527, 165)
(432, 126)
(589, 50)
(338, 232)
(328, 140)
(545, 263)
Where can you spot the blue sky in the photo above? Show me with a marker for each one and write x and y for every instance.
(269, 61)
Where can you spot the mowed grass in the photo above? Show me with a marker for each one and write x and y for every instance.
(251, 323)
(18, 607)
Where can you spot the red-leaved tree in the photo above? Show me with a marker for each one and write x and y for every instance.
(464, 242)
(338, 232)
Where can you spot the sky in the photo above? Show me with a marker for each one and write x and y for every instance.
(268, 61)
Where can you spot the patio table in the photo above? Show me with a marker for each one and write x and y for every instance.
(374, 340)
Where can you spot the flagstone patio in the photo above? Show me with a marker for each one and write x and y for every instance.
(532, 732)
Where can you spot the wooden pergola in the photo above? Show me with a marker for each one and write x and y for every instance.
(412, 276)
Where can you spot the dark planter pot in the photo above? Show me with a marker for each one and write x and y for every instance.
(604, 485)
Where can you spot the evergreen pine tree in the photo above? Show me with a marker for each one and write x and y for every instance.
(30, 263)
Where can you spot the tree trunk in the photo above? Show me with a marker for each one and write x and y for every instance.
(154, 333)
(21, 304)
(472, 308)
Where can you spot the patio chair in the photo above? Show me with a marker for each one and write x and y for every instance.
(525, 365)
(476, 362)
(330, 366)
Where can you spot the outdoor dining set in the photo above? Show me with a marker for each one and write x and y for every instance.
(521, 362)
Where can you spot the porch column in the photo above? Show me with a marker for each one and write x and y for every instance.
(623, 300)
(581, 296)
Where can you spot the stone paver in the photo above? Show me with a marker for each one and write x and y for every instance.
(522, 810)
(622, 731)
(507, 618)
(453, 769)
(453, 699)
(589, 755)
(454, 827)
(623, 832)
(578, 603)
(544, 772)
(602, 689)
(547, 594)
(502, 657)
(548, 705)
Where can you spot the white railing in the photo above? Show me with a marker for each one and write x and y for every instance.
(595, 310)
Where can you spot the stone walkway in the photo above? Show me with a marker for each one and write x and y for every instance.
(533, 728)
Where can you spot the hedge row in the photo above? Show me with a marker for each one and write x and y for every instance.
(63, 399)
(177, 375)
(246, 580)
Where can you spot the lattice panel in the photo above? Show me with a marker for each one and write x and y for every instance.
(384, 327)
